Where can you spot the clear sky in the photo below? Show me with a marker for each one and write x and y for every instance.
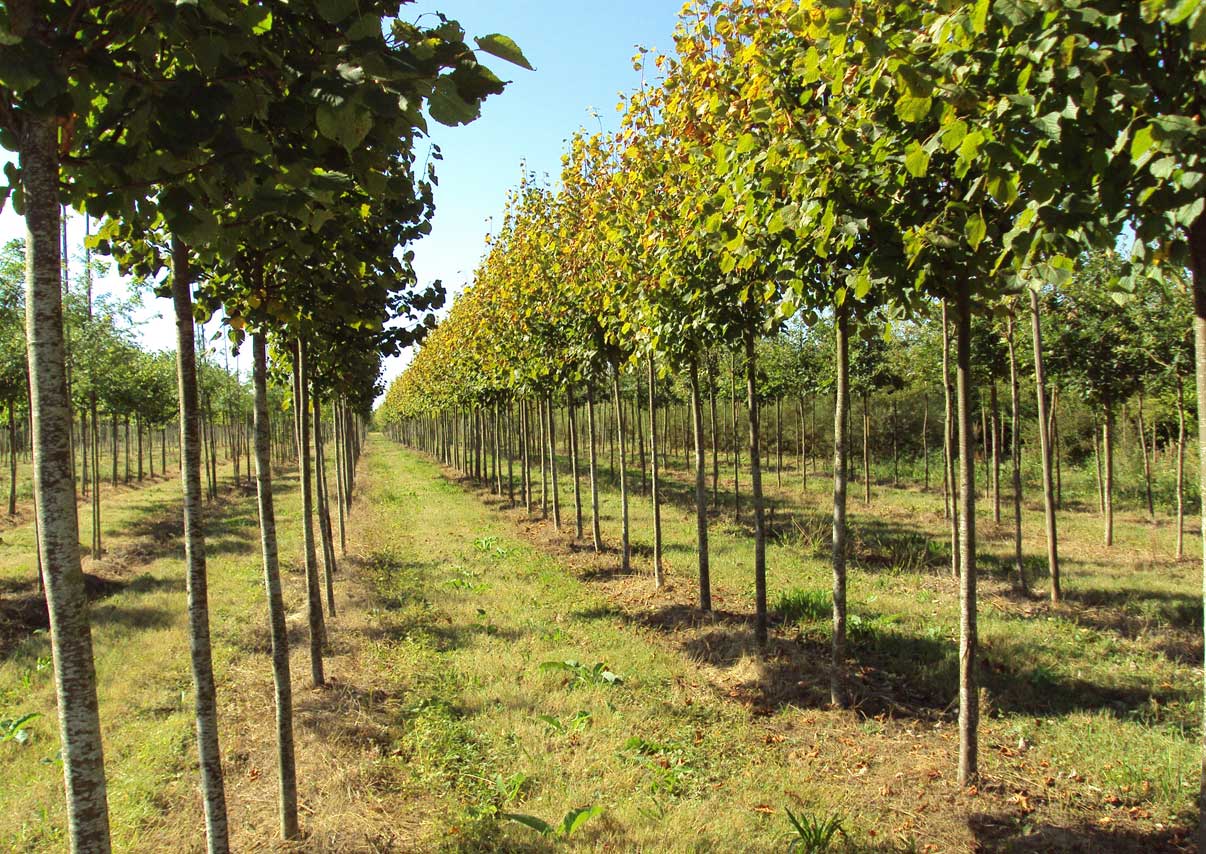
(582, 53)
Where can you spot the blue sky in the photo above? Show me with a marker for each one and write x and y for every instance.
(582, 53)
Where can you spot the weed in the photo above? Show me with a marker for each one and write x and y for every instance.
(582, 674)
(580, 721)
(489, 546)
(814, 834)
(570, 824)
(16, 729)
(798, 605)
(669, 764)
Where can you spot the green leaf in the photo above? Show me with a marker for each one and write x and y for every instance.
(574, 819)
(917, 160)
(264, 25)
(979, 16)
(1182, 11)
(975, 230)
(537, 824)
(910, 108)
(1142, 144)
(504, 47)
(1015, 12)
(448, 107)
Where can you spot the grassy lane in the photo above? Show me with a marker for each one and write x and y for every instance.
(1089, 738)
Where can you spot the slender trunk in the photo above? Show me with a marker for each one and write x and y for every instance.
(552, 437)
(657, 507)
(751, 380)
(212, 786)
(544, 458)
(97, 545)
(715, 429)
(340, 464)
(925, 438)
(1015, 451)
(779, 442)
(640, 435)
(1040, 386)
(1147, 463)
(12, 458)
(1097, 465)
(619, 417)
(969, 699)
(54, 496)
(995, 426)
(1197, 247)
(525, 468)
(1107, 442)
(572, 424)
(949, 444)
(592, 462)
(736, 440)
(1180, 469)
(838, 695)
(866, 452)
(324, 517)
(701, 492)
(317, 623)
(282, 681)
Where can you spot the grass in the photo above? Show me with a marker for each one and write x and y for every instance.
(469, 684)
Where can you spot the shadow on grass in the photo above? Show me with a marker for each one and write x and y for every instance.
(23, 607)
(890, 671)
(1013, 833)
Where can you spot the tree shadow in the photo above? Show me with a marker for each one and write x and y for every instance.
(1014, 833)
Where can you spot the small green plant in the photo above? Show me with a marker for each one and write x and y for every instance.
(582, 674)
(670, 765)
(16, 729)
(580, 721)
(797, 605)
(489, 546)
(814, 834)
(570, 824)
(466, 579)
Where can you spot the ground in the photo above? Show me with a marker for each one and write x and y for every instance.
(451, 704)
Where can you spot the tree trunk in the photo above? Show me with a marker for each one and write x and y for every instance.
(1147, 463)
(1040, 387)
(544, 458)
(779, 442)
(715, 435)
(1015, 452)
(1107, 442)
(949, 444)
(969, 700)
(1180, 469)
(54, 496)
(1097, 466)
(751, 380)
(592, 461)
(552, 449)
(212, 786)
(866, 452)
(285, 762)
(314, 615)
(657, 507)
(1197, 247)
(701, 494)
(12, 458)
(572, 424)
(925, 438)
(625, 548)
(736, 440)
(838, 695)
(995, 426)
(324, 516)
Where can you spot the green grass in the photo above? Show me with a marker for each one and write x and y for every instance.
(468, 684)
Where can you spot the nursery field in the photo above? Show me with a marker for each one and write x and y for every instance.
(487, 675)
